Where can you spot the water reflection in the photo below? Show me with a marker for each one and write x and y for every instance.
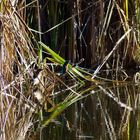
(111, 111)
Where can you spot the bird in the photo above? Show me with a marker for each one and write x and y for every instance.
(64, 67)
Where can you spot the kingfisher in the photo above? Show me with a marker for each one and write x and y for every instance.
(65, 65)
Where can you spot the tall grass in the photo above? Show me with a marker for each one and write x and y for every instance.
(16, 56)
(105, 33)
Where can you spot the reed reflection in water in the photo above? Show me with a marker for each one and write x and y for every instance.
(112, 111)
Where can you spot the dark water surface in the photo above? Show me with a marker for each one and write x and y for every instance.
(111, 112)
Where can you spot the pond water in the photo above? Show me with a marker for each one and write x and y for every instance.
(111, 111)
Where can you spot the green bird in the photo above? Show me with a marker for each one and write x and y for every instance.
(64, 67)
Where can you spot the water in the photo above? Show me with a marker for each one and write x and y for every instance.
(110, 111)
